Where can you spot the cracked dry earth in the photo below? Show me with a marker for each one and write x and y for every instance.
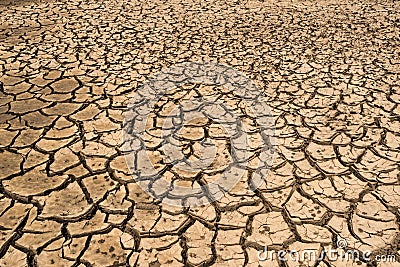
(68, 69)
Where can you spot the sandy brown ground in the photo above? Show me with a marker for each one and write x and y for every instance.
(330, 71)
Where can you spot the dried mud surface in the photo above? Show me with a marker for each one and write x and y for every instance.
(68, 69)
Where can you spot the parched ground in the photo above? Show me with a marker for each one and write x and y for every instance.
(330, 71)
